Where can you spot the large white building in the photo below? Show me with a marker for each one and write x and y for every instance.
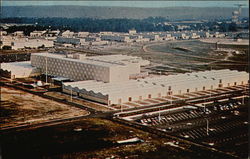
(118, 38)
(67, 33)
(37, 33)
(110, 68)
(83, 34)
(18, 69)
(70, 40)
(154, 87)
(16, 43)
(31, 43)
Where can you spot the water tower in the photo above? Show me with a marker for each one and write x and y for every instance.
(236, 14)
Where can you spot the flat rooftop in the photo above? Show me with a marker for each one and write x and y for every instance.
(105, 60)
(19, 69)
(25, 65)
(156, 82)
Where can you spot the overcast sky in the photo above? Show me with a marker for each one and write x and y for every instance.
(130, 3)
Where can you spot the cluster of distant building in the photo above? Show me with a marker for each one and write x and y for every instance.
(68, 38)
(49, 39)
(36, 40)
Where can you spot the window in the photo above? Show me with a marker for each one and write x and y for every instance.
(242, 82)
(196, 89)
(149, 96)
(129, 99)
(119, 101)
(204, 88)
(235, 83)
(228, 84)
(159, 94)
(187, 90)
(220, 81)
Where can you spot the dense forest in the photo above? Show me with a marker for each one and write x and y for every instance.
(115, 25)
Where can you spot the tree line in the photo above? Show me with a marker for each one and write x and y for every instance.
(115, 25)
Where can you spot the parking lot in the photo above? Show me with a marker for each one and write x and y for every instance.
(222, 125)
(214, 118)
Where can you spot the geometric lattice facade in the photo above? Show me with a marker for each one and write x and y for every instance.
(86, 69)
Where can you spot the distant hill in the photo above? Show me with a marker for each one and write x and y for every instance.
(172, 13)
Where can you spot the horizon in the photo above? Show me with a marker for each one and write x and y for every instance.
(132, 4)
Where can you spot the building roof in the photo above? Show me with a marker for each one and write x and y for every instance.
(161, 82)
(105, 61)
(19, 69)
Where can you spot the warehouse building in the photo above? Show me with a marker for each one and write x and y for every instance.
(18, 70)
(82, 34)
(152, 37)
(109, 68)
(37, 33)
(70, 40)
(31, 44)
(154, 87)
(67, 33)
(18, 33)
(118, 38)
(24, 43)
(132, 31)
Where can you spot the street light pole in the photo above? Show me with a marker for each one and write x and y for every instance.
(204, 106)
(245, 89)
(171, 102)
(46, 71)
(159, 117)
(207, 126)
(71, 94)
(243, 99)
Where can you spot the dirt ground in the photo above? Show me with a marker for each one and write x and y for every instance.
(18, 107)
(96, 140)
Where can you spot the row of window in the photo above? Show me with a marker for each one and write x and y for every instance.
(170, 93)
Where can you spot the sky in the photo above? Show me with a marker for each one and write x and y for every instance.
(130, 3)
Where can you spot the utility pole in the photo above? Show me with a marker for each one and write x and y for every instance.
(46, 69)
(245, 89)
(207, 126)
(71, 94)
(159, 117)
(171, 102)
(204, 106)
